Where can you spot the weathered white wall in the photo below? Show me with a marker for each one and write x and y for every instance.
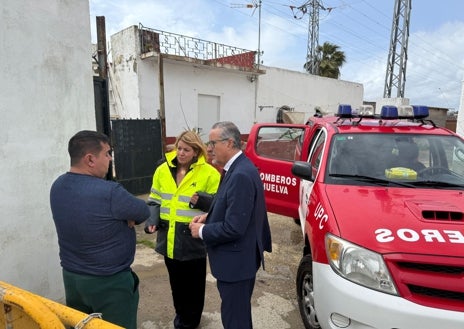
(137, 84)
(183, 82)
(124, 75)
(46, 95)
(303, 92)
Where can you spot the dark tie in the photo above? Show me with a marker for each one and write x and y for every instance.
(223, 173)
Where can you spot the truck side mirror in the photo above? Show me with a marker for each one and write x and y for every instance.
(303, 170)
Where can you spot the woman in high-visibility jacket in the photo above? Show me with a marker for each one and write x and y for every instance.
(184, 173)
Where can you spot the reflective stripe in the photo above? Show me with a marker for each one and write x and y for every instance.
(166, 196)
(188, 213)
(169, 196)
(150, 199)
(184, 213)
(184, 198)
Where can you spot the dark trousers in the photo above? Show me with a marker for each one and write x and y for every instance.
(188, 281)
(236, 303)
(115, 296)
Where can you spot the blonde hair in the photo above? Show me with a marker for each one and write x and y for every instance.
(192, 139)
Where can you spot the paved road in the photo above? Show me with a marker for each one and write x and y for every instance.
(274, 298)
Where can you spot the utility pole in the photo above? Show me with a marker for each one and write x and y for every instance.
(162, 111)
(259, 33)
(101, 47)
(398, 54)
(103, 115)
(254, 5)
(102, 112)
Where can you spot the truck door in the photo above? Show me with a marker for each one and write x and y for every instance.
(273, 148)
(316, 153)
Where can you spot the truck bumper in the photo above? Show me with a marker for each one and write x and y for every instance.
(341, 303)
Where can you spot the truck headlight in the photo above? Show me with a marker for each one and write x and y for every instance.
(359, 265)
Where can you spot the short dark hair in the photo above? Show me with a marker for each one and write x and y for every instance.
(84, 142)
(229, 130)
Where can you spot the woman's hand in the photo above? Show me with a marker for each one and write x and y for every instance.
(149, 229)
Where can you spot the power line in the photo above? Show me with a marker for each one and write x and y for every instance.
(364, 22)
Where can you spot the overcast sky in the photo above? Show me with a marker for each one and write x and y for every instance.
(361, 28)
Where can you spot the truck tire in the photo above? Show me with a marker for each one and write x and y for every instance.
(305, 293)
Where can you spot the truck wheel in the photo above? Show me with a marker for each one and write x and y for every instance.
(305, 293)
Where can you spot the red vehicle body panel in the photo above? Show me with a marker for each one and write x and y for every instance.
(399, 224)
(281, 188)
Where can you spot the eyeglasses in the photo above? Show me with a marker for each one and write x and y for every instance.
(213, 142)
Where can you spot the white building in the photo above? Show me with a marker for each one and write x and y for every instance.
(46, 95)
(200, 87)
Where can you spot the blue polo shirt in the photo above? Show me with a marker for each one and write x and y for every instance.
(90, 216)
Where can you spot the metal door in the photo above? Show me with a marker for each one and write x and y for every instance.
(208, 114)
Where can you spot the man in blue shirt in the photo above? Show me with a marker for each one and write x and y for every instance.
(95, 220)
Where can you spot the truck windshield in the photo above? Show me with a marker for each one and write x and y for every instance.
(422, 161)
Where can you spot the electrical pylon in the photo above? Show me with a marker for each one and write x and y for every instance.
(311, 6)
(313, 37)
(398, 54)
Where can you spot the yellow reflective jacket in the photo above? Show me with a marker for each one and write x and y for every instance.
(174, 238)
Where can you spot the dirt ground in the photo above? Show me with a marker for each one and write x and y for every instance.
(274, 298)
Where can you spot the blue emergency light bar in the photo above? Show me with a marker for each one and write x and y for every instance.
(388, 112)
(420, 111)
(344, 111)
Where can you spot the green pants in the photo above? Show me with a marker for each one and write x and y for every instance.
(115, 296)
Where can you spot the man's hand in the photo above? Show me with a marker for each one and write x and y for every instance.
(195, 229)
(196, 224)
(199, 218)
(131, 223)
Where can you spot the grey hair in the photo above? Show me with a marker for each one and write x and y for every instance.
(229, 130)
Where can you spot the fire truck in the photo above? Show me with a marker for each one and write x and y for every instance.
(380, 201)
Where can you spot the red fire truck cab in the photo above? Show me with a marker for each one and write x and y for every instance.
(380, 199)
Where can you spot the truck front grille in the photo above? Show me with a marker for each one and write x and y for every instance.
(439, 293)
(432, 268)
(432, 281)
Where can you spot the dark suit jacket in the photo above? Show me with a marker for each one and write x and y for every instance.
(237, 229)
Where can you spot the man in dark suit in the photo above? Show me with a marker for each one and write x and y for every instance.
(236, 230)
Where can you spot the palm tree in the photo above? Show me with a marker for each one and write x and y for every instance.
(330, 59)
